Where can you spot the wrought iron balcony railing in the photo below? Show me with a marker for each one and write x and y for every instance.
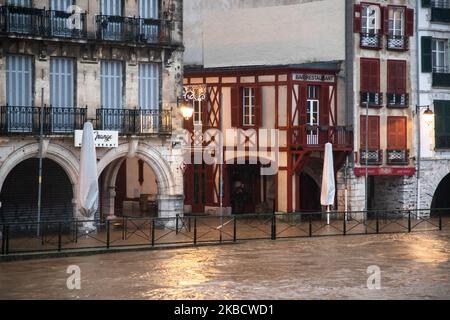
(374, 157)
(371, 40)
(440, 11)
(135, 121)
(397, 157)
(27, 120)
(397, 42)
(441, 76)
(41, 23)
(397, 100)
(375, 99)
(118, 28)
(315, 137)
(22, 20)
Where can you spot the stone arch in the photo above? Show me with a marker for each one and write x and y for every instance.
(61, 155)
(166, 183)
(430, 182)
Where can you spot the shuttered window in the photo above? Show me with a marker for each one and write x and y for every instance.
(396, 76)
(149, 86)
(374, 132)
(427, 61)
(19, 77)
(111, 7)
(60, 5)
(21, 3)
(111, 84)
(62, 83)
(396, 133)
(442, 114)
(370, 75)
(148, 9)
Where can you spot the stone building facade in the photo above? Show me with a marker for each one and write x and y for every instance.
(115, 63)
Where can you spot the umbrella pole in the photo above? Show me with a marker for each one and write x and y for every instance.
(328, 215)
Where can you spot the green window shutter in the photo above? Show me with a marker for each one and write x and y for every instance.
(427, 60)
(442, 131)
(426, 3)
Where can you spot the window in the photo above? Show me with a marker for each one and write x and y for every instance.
(19, 93)
(442, 115)
(312, 114)
(148, 9)
(396, 22)
(111, 84)
(59, 21)
(396, 83)
(370, 82)
(111, 29)
(370, 17)
(248, 107)
(374, 155)
(396, 133)
(439, 53)
(197, 112)
(149, 86)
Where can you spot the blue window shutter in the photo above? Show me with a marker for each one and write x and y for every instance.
(111, 84)
(19, 77)
(149, 86)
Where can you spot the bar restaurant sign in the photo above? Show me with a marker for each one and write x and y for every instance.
(103, 139)
(311, 77)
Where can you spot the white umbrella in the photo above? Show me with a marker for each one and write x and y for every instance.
(88, 186)
(328, 183)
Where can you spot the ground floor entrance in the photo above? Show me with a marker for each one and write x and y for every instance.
(441, 198)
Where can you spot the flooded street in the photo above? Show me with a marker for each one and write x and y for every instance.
(413, 266)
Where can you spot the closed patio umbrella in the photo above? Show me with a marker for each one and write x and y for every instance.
(328, 182)
(88, 186)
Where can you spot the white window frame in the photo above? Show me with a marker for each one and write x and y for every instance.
(197, 112)
(396, 15)
(248, 106)
(365, 20)
(440, 56)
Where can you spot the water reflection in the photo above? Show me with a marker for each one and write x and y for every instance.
(413, 266)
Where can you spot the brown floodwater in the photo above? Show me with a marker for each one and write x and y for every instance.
(413, 266)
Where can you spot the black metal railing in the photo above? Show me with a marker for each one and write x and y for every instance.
(45, 236)
(397, 157)
(134, 121)
(59, 24)
(22, 20)
(27, 120)
(375, 99)
(397, 100)
(371, 40)
(440, 11)
(441, 76)
(118, 28)
(395, 42)
(375, 157)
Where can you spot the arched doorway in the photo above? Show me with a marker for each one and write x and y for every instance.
(309, 194)
(441, 198)
(129, 187)
(19, 193)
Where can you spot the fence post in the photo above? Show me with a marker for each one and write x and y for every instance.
(59, 236)
(107, 234)
(195, 230)
(440, 220)
(310, 225)
(234, 229)
(409, 221)
(76, 231)
(345, 226)
(153, 232)
(176, 224)
(3, 238)
(378, 222)
(274, 228)
(7, 240)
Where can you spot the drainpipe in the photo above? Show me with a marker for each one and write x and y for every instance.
(418, 131)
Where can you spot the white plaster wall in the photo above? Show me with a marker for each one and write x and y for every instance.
(238, 33)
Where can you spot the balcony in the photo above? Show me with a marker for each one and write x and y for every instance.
(441, 77)
(41, 23)
(440, 11)
(371, 40)
(400, 43)
(375, 157)
(135, 121)
(315, 137)
(375, 99)
(27, 120)
(397, 157)
(118, 28)
(397, 100)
